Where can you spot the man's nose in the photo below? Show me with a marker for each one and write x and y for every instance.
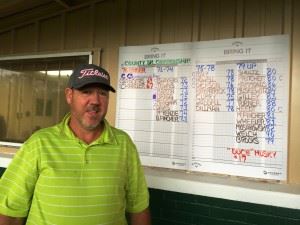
(95, 97)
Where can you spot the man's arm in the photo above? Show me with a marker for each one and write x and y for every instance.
(141, 218)
(7, 220)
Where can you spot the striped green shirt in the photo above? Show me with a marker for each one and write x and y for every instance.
(55, 178)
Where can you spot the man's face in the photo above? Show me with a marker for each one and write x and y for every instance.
(88, 106)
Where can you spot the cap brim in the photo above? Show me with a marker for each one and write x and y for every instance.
(104, 86)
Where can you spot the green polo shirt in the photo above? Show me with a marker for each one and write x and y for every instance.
(55, 178)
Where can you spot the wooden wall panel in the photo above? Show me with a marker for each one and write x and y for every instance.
(102, 21)
(274, 17)
(294, 140)
(209, 22)
(195, 20)
(50, 34)
(226, 19)
(176, 21)
(5, 43)
(288, 16)
(140, 22)
(78, 29)
(25, 39)
(253, 18)
(239, 19)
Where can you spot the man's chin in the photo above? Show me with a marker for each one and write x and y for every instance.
(91, 125)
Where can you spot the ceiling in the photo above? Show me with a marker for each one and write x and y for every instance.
(14, 12)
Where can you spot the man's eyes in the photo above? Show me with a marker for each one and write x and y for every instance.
(86, 91)
(103, 92)
(99, 92)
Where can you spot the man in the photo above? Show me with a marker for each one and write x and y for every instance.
(79, 172)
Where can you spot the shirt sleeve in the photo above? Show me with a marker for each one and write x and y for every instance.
(18, 182)
(137, 190)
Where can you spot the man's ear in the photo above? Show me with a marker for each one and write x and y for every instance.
(69, 95)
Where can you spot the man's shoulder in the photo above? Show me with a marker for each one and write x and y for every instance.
(116, 130)
(119, 132)
(120, 135)
(42, 137)
(47, 132)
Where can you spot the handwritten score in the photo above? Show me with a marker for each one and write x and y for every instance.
(214, 106)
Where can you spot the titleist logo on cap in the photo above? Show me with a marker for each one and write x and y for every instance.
(92, 72)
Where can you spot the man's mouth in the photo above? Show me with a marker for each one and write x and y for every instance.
(92, 111)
